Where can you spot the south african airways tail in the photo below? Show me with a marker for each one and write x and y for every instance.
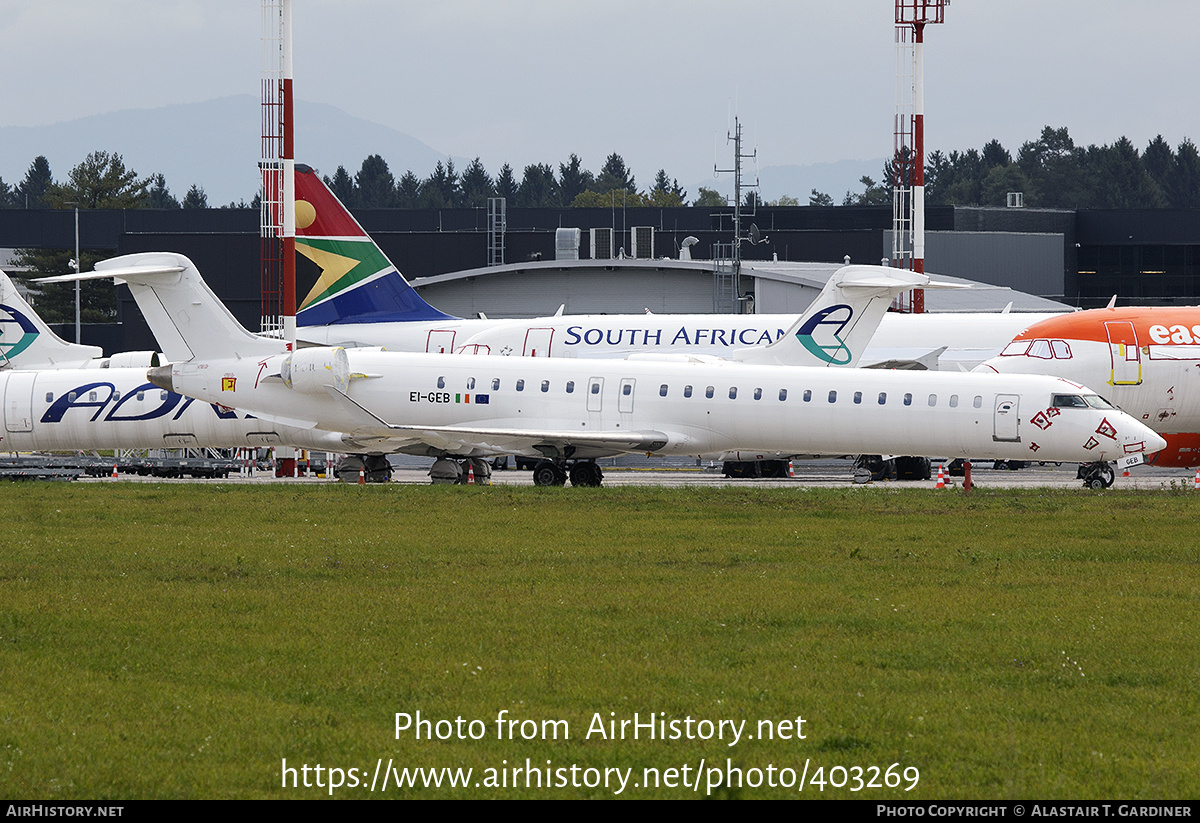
(358, 284)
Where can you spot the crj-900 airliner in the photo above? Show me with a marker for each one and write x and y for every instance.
(569, 409)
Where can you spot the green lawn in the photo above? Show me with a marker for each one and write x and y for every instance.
(183, 640)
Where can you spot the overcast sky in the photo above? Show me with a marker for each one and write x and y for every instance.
(523, 81)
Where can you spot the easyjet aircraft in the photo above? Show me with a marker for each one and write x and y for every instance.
(1146, 360)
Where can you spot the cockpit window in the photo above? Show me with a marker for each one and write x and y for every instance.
(1069, 401)
(1015, 348)
(1097, 402)
(1041, 348)
(1061, 350)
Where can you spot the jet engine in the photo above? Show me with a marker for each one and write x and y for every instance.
(310, 370)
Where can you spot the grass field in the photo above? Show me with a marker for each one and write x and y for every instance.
(183, 640)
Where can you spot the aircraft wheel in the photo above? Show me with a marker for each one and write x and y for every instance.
(378, 469)
(586, 474)
(546, 473)
(1108, 475)
(1096, 483)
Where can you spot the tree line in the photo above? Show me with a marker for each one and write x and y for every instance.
(1050, 172)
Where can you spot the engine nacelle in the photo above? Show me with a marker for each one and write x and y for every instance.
(135, 360)
(310, 370)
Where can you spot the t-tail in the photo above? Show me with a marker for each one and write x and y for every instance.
(26, 342)
(357, 284)
(185, 316)
(836, 328)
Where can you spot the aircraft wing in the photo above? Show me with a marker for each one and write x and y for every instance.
(497, 440)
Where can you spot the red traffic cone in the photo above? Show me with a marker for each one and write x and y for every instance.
(470, 473)
(941, 478)
(114, 474)
(362, 476)
(1196, 483)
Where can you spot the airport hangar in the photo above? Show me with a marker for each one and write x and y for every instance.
(1034, 258)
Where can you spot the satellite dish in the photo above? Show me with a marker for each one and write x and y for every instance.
(756, 236)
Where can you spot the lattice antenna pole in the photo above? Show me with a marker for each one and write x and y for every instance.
(278, 223)
(909, 161)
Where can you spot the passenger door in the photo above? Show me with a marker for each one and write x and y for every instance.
(1006, 423)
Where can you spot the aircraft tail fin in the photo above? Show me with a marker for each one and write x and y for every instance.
(358, 283)
(836, 328)
(26, 342)
(186, 317)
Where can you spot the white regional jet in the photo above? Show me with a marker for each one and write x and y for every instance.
(565, 408)
(361, 298)
(60, 396)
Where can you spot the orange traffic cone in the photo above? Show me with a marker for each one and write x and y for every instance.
(470, 473)
(941, 478)
(114, 474)
(791, 469)
(1196, 483)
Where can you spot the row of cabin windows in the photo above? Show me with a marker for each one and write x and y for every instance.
(710, 392)
(116, 395)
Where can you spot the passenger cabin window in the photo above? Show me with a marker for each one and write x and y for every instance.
(733, 392)
(71, 397)
(857, 398)
(758, 394)
(470, 384)
(882, 397)
(687, 391)
(545, 385)
(595, 388)
(783, 394)
(627, 390)
(807, 395)
(978, 401)
(933, 399)
(833, 396)
(91, 395)
(708, 392)
(954, 401)
(495, 384)
(49, 397)
(141, 396)
(662, 390)
(908, 399)
(521, 385)
(570, 387)
(441, 382)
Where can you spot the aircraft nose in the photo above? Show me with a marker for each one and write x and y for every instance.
(1155, 443)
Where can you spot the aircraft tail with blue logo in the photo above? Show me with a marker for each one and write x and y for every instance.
(839, 324)
(357, 282)
(26, 342)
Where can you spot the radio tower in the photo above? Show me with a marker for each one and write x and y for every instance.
(278, 216)
(908, 159)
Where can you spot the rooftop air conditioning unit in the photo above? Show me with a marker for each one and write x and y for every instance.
(642, 242)
(566, 244)
(602, 244)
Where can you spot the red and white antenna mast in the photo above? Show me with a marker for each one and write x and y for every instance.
(908, 159)
(278, 223)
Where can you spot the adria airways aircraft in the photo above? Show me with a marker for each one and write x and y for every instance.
(360, 298)
(1146, 360)
(60, 396)
(586, 409)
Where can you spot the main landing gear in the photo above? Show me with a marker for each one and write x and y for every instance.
(582, 473)
(1096, 475)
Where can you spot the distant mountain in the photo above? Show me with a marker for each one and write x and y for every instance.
(215, 145)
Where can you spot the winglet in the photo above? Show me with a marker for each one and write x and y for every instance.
(358, 283)
(26, 342)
